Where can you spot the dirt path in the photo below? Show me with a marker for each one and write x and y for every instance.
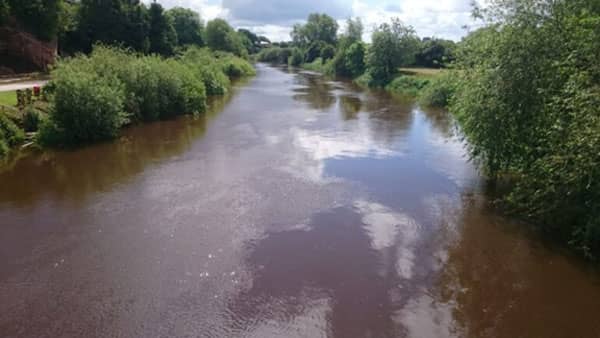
(7, 87)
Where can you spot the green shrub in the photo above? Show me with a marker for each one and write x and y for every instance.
(204, 65)
(31, 118)
(95, 95)
(365, 80)
(296, 58)
(407, 85)
(87, 108)
(439, 91)
(327, 52)
(319, 66)
(10, 133)
(354, 59)
(349, 61)
(235, 67)
(275, 55)
(4, 149)
(215, 81)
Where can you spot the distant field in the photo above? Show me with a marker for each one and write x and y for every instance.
(425, 72)
(8, 98)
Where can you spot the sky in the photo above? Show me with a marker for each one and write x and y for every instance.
(274, 18)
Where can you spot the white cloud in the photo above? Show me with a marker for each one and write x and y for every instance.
(274, 18)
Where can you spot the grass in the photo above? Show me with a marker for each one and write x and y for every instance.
(317, 66)
(421, 72)
(8, 98)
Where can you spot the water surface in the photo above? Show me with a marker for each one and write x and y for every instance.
(298, 207)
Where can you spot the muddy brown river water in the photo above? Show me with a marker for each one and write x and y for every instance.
(298, 207)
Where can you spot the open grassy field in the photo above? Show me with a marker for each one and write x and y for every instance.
(421, 72)
(8, 98)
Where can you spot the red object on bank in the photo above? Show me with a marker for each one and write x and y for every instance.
(36, 90)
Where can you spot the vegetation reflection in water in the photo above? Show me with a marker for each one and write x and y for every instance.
(34, 175)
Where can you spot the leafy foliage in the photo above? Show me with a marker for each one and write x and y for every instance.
(41, 17)
(393, 45)
(319, 28)
(94, 96)
(527, 98)
(297, 58)
(87, 108)
(187, 25)
(407, 85)
(439, 91)
(10, 134)
(221, 36)
(435, 53)
(275, 55)
(163, 37)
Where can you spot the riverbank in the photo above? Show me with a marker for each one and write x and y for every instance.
(90, 98)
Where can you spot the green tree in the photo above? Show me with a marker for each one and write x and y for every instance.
(188, 25)
(163, 38)
(349, 57)
(320, 28)
(136, 27)
(527, 98)
(393, 45)
(354, 59)
(99, 21)
(354, 31)
(221, 36)
(296, 58)
(435, 53)
(41, 17)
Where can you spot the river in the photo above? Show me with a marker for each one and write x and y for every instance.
(297, 207)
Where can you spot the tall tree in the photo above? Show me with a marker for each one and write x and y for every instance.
(188, 25)
(163, 38)
(220, 36)
(318, 28)
(101, 21)
(393, 45)
(40, 17)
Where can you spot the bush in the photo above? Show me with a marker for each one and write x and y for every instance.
(439, 91)
(317, 66)
(354, 59)
(119, 87)
(275, 55)
(527, 100)
(87, 108)
(407, 85)
(4, 149)
(235, 67)
(202, 63)
(327, 52)
(349, 62)
(364, 80)
(31, 118)
(10, 134)
(296, 58)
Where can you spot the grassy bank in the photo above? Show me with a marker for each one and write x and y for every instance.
(90, 98)
(8, 98)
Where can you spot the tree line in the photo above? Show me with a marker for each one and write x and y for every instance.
(319, 44)
(79, 24)
(123, 63)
